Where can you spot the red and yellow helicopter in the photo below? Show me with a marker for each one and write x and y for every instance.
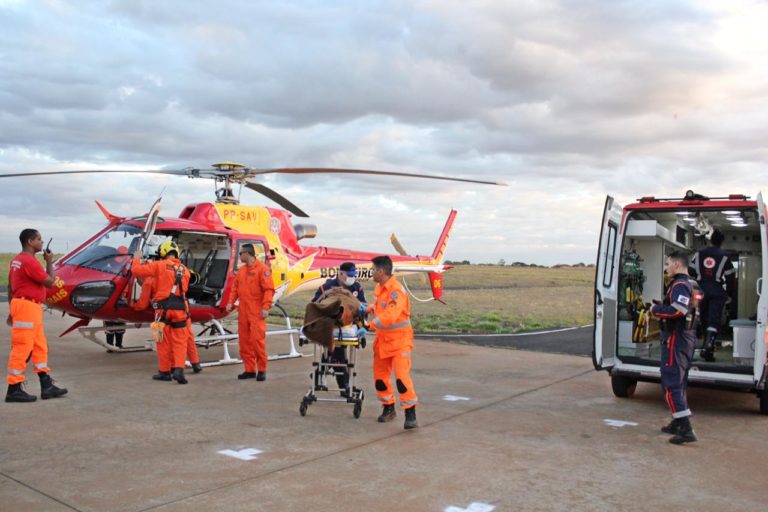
(94, 280)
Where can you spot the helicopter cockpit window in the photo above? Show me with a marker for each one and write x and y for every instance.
(111, 252)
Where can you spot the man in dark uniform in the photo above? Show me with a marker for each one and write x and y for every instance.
(345, 280)
(712, 268)
(678, 339)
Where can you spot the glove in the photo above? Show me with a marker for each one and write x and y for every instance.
(363, 308)
(361, 332)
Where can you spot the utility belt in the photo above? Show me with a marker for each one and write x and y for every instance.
(686, 324)
(172, 303)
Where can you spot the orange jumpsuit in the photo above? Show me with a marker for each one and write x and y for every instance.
(27, 337)
(394, 343)
(163, 272)
(163, 350)
(254, 287)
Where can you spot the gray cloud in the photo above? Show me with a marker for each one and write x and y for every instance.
(564, 101)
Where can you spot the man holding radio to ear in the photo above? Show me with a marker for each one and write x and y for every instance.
(27, 282)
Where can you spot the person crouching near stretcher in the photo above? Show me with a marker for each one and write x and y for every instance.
(391, 320)
(171, 282)
(346, 281)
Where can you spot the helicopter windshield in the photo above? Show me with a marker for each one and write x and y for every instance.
(111, 251)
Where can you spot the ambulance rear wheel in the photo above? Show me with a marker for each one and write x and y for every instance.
(358, 409)
(764, 401)
(623, 387)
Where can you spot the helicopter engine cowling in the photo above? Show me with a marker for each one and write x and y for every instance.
(305, 231)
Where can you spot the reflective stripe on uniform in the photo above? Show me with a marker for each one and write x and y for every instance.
(680, 307)
(719, 273)
(409, 402)
(41, 365)
(23, 325)
(11, 371)
(387, 398)
(405, 354)
(398, 325)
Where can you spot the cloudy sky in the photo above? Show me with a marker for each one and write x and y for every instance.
(565, 101)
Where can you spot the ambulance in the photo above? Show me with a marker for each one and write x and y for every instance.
(634, 242)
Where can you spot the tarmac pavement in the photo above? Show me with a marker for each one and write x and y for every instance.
(519, 430)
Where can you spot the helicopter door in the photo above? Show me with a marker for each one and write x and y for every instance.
(146, 233)
(762, 302)
(606, 285)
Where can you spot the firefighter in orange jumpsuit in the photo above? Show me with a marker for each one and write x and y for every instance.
(254, 287)
(164, 354)
(171, 281)
(391, 320)
(27, 282)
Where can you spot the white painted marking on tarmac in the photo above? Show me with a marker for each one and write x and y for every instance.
(473, 507)
(244, 454)
(454, 398)
(619, 423)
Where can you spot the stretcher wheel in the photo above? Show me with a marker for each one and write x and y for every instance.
(303, 409)
(764, 401)
(358, 409)
(623, 387)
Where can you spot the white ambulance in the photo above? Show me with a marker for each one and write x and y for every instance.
(634, 242)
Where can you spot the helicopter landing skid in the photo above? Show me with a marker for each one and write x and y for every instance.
(219, 335)
(91, 333)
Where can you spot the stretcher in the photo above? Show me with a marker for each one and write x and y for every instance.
(325, 369)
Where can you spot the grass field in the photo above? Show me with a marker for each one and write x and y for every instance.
(492, 299)
(481, 299)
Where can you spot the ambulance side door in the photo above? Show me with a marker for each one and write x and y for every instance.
(606, 286)
(762, 303)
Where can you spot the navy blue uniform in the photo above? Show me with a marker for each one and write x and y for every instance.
(355, 289)
(340, 353)
(712, 268)
(678, 339)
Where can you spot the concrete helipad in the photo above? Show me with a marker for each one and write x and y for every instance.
(522, 431)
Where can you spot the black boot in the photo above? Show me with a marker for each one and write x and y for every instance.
(672, 428)
(708, 351)
(261, 376)
(48, 389)
(166, 376)
(247, 375)
(16, 393)
(178, 375)
(196, 368)
(387, 413)
(685, 433)
(410, 419)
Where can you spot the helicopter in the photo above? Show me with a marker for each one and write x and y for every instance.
(94, 281)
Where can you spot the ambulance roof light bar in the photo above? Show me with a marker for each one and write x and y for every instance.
(691, 196)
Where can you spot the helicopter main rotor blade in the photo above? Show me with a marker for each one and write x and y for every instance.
(333, 170)
(178, 172)
(279, 199)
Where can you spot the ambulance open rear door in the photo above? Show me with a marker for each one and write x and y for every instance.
(761, 336)
(606, 286)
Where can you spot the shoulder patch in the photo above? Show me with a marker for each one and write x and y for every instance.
(267, 273)
(394, 295)
(682, 299)
(384, 304)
